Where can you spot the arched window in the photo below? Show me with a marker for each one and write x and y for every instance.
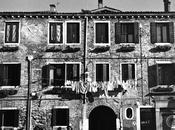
(129, 113)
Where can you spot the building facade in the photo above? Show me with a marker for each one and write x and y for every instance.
(100, 69)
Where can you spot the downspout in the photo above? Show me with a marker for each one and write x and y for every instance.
(85, 121)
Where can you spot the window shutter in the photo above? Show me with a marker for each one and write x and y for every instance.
(1, 74)
(152, 76)
(45, 76)
(98, 33)
(53, 121)
(153, 32)
(59, 75)
(136, 32)
(59, 30)
(117, 32)
(18, 74)
(1, 113)
(16, 118)
(171, 32)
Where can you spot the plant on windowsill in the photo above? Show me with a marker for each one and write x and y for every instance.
(69, 49)
(9, 48)
(161, 47)
(100, 49)
(52, 49)
(126, 47)
(162, 88)
(4, 92)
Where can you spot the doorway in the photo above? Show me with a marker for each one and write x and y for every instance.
(102, 118)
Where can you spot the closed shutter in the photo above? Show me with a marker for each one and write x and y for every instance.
(171, 32)
(59, 74)
(117, 32)
(136, 32)
(73, 33)
(1, 74)
(153, 32)
(45, 76)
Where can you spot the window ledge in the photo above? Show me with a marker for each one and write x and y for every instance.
(6, 48)
(8, 87)
(162, 44)
(126, 47)
(100, 49)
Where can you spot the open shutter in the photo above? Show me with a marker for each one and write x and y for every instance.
(171, 32)
(117, 32)
(45, 76)
(152, 76)
(136, 32)
(153, 32)
(53, 122)
(16, 118)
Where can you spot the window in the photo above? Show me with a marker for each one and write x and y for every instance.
(164, 74)
(60, 116)
(161, 73)
(73, 32)
(9, 118)
(10, 74)
(162, 32)
(56, 33)
(129, 113)
(127, 32)
(12, 32)
(128, 72)
(102, 72)
(102, 32)
(58, 74)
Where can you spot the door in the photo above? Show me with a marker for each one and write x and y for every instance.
(102, 118)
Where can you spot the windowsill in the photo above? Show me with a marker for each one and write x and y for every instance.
(163, 44)
(8, 87)
(9, 127)
(101, 44)
(127, 44)
(11, 44)
(52, 44)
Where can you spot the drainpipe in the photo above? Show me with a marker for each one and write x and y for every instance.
(28, 111)
(85, 121)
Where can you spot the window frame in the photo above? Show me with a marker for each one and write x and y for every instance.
(12, 109)
(153, 34)
(121, 78)
(72, 21)
(61, 107)
(63, 32)
(157, 69)
(132, 113)
(60, 63)
(96, 69)
(19, 27)
(109, 34)
(12, 63)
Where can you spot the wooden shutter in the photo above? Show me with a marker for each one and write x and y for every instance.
(16, 118)
(152, 76)
(117, 32)
(59, 33)
(1, 113)
(59, 75)
(153, 32)
(45, 76)
(98, 33)
(1, 74)
(171, 32)
(53, 121)
(136, 32)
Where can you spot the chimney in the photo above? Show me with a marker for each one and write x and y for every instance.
(167, 4)
(100, 3)
(52, 8)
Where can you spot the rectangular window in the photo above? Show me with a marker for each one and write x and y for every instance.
(128, 72)
(12, 32)
(60, 117)
(102, 72)
(10, 74)
(73, 32)
(9, 118)
(102, 33)
(162, 32)
(55, 33)
(165, 72)
(58, 74)
(127, 32)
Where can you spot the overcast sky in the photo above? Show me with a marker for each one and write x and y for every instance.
(77, 5)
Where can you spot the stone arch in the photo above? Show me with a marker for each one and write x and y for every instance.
(112, 106)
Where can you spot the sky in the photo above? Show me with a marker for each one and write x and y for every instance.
(77, 5)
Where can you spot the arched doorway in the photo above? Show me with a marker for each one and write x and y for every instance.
(102, 118)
